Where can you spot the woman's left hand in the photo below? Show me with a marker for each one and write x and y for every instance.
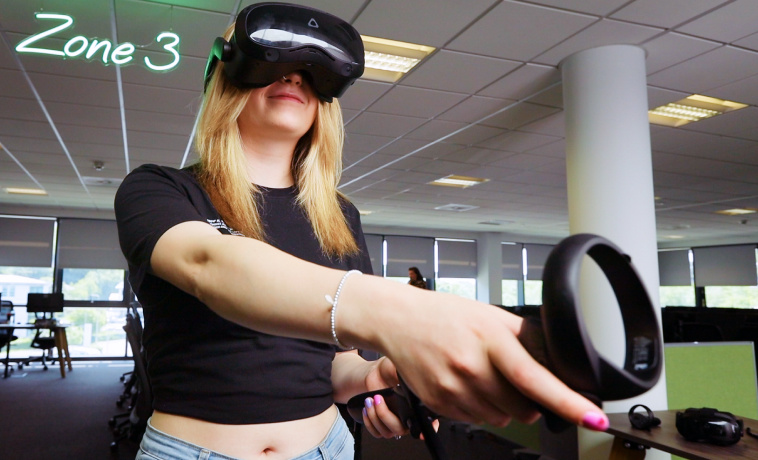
(377, 417)
(379, 420)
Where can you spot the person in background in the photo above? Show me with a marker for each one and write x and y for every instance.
(246, 363)
(416, 279)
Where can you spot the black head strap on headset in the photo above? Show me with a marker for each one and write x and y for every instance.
(559, 339)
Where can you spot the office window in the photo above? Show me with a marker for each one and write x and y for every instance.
(729, 275)
(93, 271)
(512, 274)
(26, 242)
(536, 255)
(91, 259)
(409, 251)
(725, 266)
(93, 285)
(510, 293)
(675, 272)
(456, 267)
(677, 296)
(403, 252)
(731, 296)
(375, 245)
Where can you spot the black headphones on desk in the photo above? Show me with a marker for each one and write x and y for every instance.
(559, 339)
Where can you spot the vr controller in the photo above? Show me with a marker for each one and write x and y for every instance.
(560, 342)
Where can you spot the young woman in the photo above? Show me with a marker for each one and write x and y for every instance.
(247, 363)
(416, 278)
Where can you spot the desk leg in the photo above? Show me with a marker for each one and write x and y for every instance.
(619, 452)
(64, 343)
(59, 346)
(61, 343)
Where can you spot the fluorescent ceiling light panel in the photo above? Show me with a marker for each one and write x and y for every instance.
(25, 191)
(691, 108)
(737, 211)
(454, 180)
(388, 60)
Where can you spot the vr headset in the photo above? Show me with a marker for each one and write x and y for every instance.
(710, 426)
(272, 40)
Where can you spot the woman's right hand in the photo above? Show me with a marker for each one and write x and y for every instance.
(462, 358)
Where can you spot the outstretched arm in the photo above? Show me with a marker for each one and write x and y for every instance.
(461, 357)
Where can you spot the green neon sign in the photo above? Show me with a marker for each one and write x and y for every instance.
(80, 45)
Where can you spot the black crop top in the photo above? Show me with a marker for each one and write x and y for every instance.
(201, 365)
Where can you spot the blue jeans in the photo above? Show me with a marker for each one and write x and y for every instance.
(337, 445)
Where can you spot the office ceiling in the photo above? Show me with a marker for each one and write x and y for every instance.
(58, 117)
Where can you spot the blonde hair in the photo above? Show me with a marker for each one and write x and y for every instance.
(316, 168)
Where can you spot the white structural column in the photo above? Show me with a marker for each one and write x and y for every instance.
(489, 256)
(610, 193)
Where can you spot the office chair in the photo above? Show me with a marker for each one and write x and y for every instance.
(129, 378)
(143, 401)
(44, 343)
(6, 336)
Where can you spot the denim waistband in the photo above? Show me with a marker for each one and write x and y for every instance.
(338, 444)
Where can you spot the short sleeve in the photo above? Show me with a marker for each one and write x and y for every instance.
(362, 261)
(151, 200)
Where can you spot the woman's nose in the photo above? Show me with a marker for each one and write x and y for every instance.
(294, 77)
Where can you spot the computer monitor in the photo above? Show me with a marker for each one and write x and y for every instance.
(44, 303)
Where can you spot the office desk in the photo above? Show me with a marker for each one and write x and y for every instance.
(668, 439)
(61, 343)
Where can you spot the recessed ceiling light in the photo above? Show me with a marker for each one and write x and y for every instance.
(25, 191)
(388, 60)
(454, 180)
(674, 237)
(737, 211)
(692, 108)
(364, 213)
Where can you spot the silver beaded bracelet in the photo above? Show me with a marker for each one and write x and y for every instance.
(334, 301)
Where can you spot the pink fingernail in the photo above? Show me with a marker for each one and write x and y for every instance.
(378, 399)
(595, 421)
(369, 402)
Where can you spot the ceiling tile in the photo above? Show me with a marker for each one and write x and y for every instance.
(416, 102)
(672, 48)
(452, 71)
(732, 21)
(597, 7)
(362, 94)
(426, 22)
(383, 124)
(664, 14)
(526, 29)
(602, 33)
(523, 82)
(713, 69)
